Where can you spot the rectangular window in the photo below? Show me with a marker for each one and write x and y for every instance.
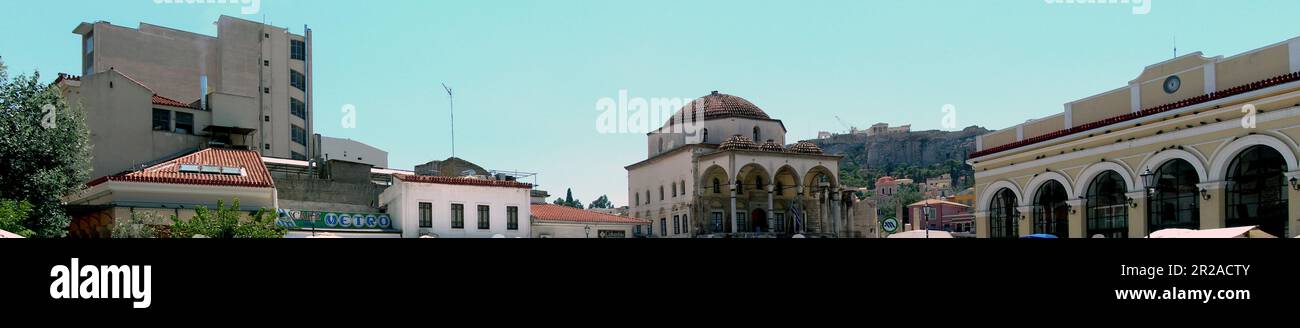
(686, 225)
(484, 219)
(184, 123)
(512, 218)
(298, 134)
(742, 225)
(676, 224)
(716, 220)
(297, 80)
(663, 226)
(426, 215)
(650, 229)
(298, 108)
(780, 222)
(457, 216)
(162, 120)
(90, 44)
(297, 50)
(296, 155)
(637, 232)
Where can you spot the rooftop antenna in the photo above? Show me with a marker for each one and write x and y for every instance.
(451, 99)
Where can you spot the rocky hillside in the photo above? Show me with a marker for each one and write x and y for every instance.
(900, 154)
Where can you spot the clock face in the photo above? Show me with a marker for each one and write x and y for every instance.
(1172, 84)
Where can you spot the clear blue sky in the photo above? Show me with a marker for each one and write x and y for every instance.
(528, 73)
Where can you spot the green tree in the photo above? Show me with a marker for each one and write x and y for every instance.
(44, 151)
(227, 222)
(13, 216)
(602, 202)
(139, 225)
(569, 201)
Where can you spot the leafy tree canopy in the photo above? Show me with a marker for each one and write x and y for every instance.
(44, 151)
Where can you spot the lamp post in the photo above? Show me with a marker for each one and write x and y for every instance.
(1150, 179)
(927, 212)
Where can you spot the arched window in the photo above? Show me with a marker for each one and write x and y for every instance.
(661, 192)
(740, 186)
(1051, 210)
(758, 183)
(705, 139)
(717, 186)
(1004, 219)
(674, 190)
(647, 196)
(638, 199)
(683, 187)
(1174, 201)
(757, 134)
(1257, 191)
(1107, 213)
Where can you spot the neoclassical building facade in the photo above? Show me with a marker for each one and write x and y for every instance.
(719, 167)
(1193, 143)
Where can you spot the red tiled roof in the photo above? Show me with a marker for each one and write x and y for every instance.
(1221, 94)
(66, 77)
(462, 181)
(718, 105)
(164, 101)
(254, 174)
(557, 213)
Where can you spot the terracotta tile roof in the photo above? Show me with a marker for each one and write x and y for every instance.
(157, 100)
(164, 101)
(66, 77)
(254, 173)
(1217, 95)
(719, 105)
(557, 213)
(462, 181)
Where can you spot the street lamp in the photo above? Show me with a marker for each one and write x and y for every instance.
(927, 212)
(1150, 179)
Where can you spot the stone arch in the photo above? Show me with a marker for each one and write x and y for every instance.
(715, 172)
(1223, 158)
(987, 195)
(791, 183)
(1094, 170)
(810, 178)
(1038, 181)
(747, 173)
(1154, 163)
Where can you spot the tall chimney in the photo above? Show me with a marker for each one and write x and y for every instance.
(203, 92)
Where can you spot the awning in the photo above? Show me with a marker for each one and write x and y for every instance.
(9, 235)
(920, 234)
(1235, 232)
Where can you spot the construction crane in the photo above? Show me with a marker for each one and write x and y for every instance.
(852, 129)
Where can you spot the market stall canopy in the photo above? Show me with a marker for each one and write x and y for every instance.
(1040, 236)
(6, 234)
(1236, 232)
(915, 234)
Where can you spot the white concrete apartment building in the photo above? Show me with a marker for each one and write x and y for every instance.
(458, 207)
(249, 86)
